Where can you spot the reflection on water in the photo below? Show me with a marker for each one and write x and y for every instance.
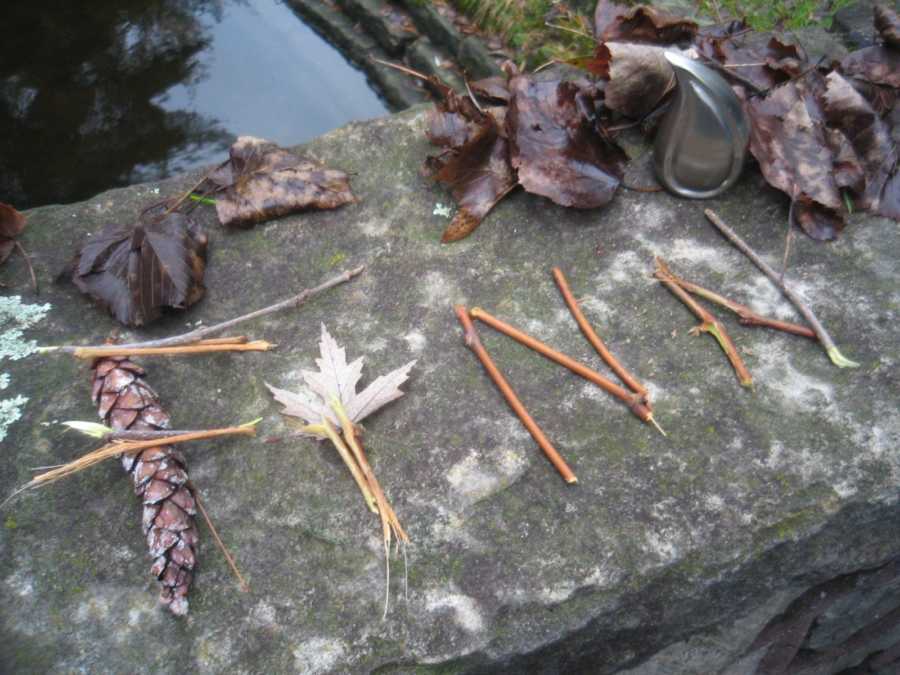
(110, 92)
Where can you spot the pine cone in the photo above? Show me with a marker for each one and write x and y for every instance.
(126, 402)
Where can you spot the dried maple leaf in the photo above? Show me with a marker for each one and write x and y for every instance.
(261, 181)
(138, 269)
(337, 380)
(642, 23)
(556, 152)
(11, 225)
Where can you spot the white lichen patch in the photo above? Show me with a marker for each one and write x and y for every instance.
(318, 655)
(436, 290)
(10, 411)
(374, 227)
(627, 267)
(797, 390)
(466, 611)
(16, 317)
(416, 341)
(481, 474)
(442, 211)
(685, 254)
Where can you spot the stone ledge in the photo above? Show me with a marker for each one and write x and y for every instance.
(678, 550)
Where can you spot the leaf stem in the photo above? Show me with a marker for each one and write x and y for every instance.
(197, 335)
(633, 401)
(745, 315)
(224, 549)
(592, 337)
(831, 349)
(474, 343)
(201, 347)
(349, 460)
(710, 324)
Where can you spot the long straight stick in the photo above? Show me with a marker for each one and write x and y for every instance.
(474, 343)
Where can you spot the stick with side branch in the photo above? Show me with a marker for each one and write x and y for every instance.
(709, 323)
(831, 349)
(195, 340)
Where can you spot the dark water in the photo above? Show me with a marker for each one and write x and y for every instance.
(102, 93)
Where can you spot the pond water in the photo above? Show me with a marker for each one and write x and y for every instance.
(111, 92)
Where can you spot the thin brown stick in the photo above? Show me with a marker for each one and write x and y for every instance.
(21, 250)
(633, 401)
(592, 337)
(116, 350)
(709, 323)
(194, 336)
(831, 349)
(745, 315)
(474, 343)
(224, 549)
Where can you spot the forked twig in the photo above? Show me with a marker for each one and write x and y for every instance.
(746, 316)
(474, 343)
(199, 334)
(592, 337)
(709, 323)
(831, 349)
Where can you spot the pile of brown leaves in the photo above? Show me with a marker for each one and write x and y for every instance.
(821, 133)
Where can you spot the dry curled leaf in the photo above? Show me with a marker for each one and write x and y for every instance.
(12, 222)
(554, 148)
(261, 181)
(137, 269)
(479, 175)
(639, 76)
(337, 379)
(613, 21)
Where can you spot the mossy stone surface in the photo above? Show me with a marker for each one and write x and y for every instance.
(667, 549)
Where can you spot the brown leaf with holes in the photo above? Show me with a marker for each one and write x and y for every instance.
(877, 65)
(555, 150)
(765, 63)
(616, 22)
(869, 136)
(136, 270)
(887, 24)
(261, 181)
(788, 139)
(12, 223)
